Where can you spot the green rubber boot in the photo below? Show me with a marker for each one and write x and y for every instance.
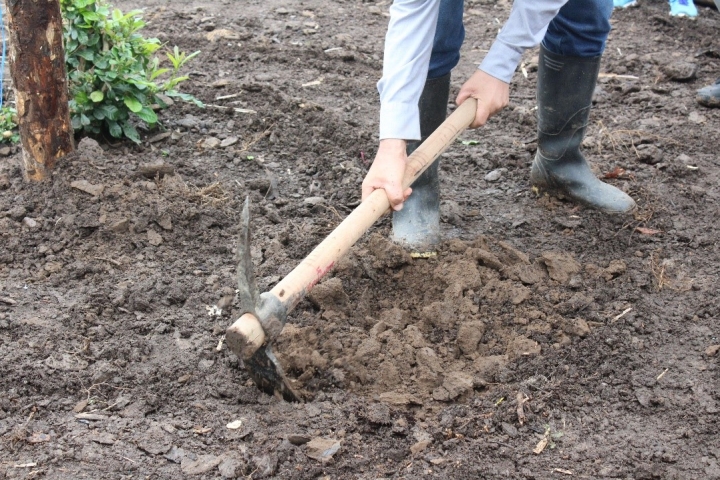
(564, 93)
(417, 225)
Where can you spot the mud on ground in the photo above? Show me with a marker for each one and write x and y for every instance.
(538, 324)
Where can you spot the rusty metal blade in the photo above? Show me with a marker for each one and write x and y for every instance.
(247, 287)
(266, 372)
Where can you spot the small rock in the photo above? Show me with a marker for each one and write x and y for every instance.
(210, 142)
(522, 347)
(156, 169)
(314, 201)
(228, 142)
(154, 238)
(712, 350)
(5, 151)
(264, 77)
(89, 150)
(265, 466)
(570, 223)
(154, 441)
(17, 212)
(696, 117)
(87, 187)
(165, 99)
(322, 449)
(4, 182)
(282, 11)
(451, 212)
(454, 385)
(203, 464)
(509, 430)
(231, 467)
(649, 154)
(190, 121)
(494, 176)
(52, 267)
(176, 455)
(680, 71)
(560, 266)
(120, 226)
(223, 33)
(297, 439)
(159, 137)
(165, 222)
(66, 362)
(38, 437)
(103, 438)
(223, 82)
(469, 336)
(379, 413)
(419, 446)
(29, 222)
(577, 327)
(396, 398)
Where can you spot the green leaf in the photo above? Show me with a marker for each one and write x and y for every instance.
(97, 96)
(114, 129)
(158, 72)
(133, 104)
(147, 115)
(130, 132)
(88, 55)
(75, 121)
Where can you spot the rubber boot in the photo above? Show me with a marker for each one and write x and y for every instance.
(564, 93)
(417, 225)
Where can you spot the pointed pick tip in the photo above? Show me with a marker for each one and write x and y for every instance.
(268, 375)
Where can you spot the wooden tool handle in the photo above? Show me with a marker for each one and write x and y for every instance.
(321, 260)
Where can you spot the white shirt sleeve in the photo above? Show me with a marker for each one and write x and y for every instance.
(525, 28)
(408, 45)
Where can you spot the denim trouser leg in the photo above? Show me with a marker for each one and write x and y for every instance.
(449, 36)
(580, 29)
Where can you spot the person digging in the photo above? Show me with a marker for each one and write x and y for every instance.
(422, 46)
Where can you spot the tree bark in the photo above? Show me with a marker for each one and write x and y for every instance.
(37, 65)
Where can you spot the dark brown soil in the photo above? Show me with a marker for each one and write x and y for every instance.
(539, 323)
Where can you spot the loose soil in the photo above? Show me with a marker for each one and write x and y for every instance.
(538, 324)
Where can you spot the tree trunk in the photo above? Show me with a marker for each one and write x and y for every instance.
(37, 64)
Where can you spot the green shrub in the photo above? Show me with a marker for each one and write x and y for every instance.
(114, 75)
(8, 125)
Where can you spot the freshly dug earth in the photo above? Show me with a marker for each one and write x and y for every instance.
(544, 340)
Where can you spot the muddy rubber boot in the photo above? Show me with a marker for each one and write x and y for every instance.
(564, 93)
(417, 225)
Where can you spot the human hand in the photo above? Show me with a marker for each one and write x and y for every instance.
(387, 172)
(492, 95)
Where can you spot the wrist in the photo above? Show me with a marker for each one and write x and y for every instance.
(392, 145)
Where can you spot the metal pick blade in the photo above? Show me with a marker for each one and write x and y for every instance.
(247, 287)
(266, 372)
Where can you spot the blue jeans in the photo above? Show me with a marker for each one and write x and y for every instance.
(580, 29)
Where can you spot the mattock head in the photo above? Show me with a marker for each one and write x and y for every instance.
(243, 336)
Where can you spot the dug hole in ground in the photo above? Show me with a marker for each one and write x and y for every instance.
(544, 340)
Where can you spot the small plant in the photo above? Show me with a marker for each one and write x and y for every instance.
(114, 75)
(8, 125)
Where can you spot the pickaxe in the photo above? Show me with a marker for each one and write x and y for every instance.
(263, 315)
